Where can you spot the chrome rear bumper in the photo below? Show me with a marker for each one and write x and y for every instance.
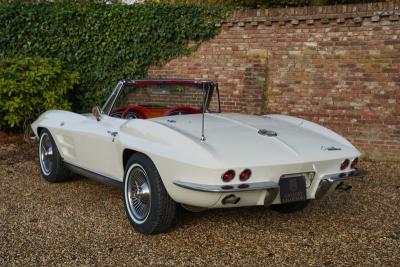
(271, 188)
(330, 182)
(327, 184)
(228, 188)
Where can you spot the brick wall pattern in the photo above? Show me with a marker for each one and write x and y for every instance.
(338, 66)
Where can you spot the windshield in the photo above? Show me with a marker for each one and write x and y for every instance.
(157, 100)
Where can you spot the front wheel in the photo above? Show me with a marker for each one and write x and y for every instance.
(51, 164)
(291, 207)
(148, 206)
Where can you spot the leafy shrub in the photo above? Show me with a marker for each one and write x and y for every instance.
(31, 85)
(104, 43)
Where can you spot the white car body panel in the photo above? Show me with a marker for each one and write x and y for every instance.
(173, 144)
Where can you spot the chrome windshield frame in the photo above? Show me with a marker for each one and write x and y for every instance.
(112, 98)
(109, 104)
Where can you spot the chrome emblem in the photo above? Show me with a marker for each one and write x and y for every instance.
(266, 132)
(330, 148)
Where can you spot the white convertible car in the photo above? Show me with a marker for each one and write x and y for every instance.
(165, 142)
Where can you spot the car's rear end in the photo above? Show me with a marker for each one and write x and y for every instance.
(256, 160)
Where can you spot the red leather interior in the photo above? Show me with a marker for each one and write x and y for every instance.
(185, 109)
(148, 113)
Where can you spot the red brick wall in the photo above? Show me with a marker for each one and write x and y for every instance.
(335, 65)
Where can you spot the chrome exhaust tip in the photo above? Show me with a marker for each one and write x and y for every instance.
(230, 199)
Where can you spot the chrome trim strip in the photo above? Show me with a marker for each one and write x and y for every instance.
(220, 189)
(95, 176)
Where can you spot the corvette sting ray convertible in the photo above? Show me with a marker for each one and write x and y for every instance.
(166, 142)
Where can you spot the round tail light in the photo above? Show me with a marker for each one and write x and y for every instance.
(344, 164)
(228, 175)
(354, 163)
(245, 175)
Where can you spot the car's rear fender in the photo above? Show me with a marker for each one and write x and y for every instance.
(311, 126)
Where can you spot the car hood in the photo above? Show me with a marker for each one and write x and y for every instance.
(235, 138)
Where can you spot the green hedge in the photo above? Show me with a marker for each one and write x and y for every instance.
(31, 85)
(104, 43)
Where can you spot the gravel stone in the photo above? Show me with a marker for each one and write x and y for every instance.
(82, 222)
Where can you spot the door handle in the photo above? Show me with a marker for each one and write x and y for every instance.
(113, 134)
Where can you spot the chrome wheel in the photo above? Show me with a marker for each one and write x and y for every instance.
(46, 154)
(137, 188)
(148, 206)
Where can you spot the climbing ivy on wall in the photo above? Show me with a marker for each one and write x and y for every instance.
(104, 43)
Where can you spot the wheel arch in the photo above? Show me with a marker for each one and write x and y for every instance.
(127, 153)
(39, 130)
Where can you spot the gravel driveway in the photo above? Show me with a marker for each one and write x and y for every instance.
(83, 222)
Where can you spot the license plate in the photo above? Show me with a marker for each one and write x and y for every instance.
(293, 189)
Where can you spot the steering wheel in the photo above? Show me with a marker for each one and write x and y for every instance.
(134, 112)
(131, 115)
(117, 113)
(181, 110)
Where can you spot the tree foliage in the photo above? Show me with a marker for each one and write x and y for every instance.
(104, 43)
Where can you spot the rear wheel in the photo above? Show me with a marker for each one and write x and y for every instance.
(148, 206)
(291, 207)
(51, 164)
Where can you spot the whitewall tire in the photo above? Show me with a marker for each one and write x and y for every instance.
(148, 206)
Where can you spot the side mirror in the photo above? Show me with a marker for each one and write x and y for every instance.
(96, 113)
